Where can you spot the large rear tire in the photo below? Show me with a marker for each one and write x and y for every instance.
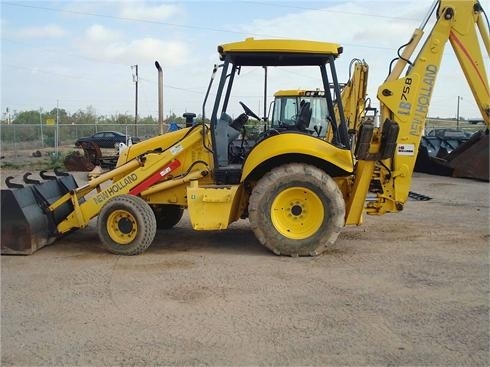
(297, 210)
(167, 215)
(126, 225)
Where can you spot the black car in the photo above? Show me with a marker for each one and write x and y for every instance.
(449, 133)
(106, 139)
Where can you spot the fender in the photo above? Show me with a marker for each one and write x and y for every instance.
(297, 143)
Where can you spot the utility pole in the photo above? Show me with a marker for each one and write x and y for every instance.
(457, 114)
(57, 130)
(41, 126)
(135, 80)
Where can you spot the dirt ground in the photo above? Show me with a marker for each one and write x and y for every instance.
(403, 289)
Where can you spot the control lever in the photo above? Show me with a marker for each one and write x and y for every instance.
(318, 129)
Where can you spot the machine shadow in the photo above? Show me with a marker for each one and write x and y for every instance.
(238, 239)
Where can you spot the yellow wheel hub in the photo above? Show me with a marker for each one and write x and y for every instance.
(122, 227)
(297, 213)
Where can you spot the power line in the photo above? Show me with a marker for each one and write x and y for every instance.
(44, 71)
(276, 5)
(137, 20)
(59, 51)
(209, 28)
(173, 87)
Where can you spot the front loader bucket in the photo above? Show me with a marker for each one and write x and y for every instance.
(26, 225)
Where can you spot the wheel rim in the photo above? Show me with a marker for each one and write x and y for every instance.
(122, 227)
(297, 213)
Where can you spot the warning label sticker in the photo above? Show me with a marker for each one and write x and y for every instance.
(406, 149)
(176, 149)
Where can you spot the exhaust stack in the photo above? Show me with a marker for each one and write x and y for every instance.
(160, 96)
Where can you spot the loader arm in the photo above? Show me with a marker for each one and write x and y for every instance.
(134, 177)
(405, 103)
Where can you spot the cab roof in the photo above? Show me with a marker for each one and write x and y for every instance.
(298, 93)
(279, 52)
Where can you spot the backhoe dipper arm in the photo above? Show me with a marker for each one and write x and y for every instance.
(405, 101)
(354, 94)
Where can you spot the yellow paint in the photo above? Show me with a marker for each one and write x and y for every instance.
(116, 221)
(212, 207)
(281, 46)
(298, 144)
(297, 213)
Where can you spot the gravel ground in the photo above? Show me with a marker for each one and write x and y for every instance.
(402, 289)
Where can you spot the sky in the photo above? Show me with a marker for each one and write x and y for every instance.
(78, 54)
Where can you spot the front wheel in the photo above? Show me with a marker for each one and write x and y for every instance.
(126, 225)
(297, 210)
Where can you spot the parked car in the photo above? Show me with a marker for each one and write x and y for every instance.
(106, 139)
(449, 133)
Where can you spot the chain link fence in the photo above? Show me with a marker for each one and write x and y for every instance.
(24, 145)
(42, 145)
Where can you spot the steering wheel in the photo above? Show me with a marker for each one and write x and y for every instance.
(249, 112)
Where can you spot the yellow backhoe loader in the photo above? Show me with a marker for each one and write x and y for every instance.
(298, 188)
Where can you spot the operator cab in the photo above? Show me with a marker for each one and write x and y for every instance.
(300, 110)
(306, 114)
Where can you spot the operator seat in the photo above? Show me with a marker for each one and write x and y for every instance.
(304, 117)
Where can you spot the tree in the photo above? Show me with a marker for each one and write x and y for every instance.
(63, 117)
(27, 117)
(84, 117)
(119, 119)
(148, 120)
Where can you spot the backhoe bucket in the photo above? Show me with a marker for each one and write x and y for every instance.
(26, 225)
(471, 159)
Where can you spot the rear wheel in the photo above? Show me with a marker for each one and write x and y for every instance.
(167, 215)
(126, 225)
(296, 210)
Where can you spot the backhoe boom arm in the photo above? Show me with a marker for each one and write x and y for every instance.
(405, 101)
